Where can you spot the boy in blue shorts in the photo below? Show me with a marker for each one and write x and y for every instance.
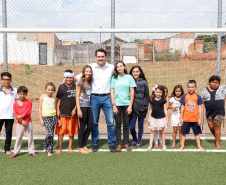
(191, 114)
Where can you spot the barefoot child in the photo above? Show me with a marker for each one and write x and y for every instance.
(47, 115)
(157, 134)
(84, 111)
(22, 110)
(174, 104)
(66, 111)
(191, 114)
(8, 95)
(213, 97)
(158, 118)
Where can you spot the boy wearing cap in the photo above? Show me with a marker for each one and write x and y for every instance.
(66, 111)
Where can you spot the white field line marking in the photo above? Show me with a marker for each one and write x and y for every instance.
(140, 150)
(105, 138)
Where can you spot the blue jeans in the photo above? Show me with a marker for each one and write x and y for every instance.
(133, 120)
(104, 102)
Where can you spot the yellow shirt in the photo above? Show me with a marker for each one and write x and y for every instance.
(48, 106)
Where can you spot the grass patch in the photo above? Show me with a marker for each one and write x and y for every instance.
(115, 168)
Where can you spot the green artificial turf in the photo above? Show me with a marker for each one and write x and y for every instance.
(115, 168)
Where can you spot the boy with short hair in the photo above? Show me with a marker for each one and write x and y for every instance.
(22, 110)
(213, 97)
(191, 114)
(66, 111)
(8, 95)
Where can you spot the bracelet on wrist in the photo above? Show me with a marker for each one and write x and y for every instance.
(113, 104)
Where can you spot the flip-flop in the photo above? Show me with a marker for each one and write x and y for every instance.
(13, 156)
(34, 155)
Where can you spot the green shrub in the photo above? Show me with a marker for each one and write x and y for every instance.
(166, 55)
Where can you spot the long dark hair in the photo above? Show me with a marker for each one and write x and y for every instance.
(176, 87)
(141, 72)
(83, 78)
(115, 74)
(160, 87)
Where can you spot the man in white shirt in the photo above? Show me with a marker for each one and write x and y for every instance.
(100, 98)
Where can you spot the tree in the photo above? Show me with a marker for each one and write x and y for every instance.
(87, 42)
(138, 41)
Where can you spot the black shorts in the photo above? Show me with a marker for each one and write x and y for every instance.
(187, 126)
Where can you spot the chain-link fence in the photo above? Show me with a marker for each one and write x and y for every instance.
(166, 58)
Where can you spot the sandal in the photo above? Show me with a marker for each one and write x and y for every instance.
(149, 148)
(173, 146)
(13, 156)
(156, 146)
(164, 148)
(34, 155)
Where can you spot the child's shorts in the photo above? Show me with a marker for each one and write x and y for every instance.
(217, 118)
(69, 125)
(186, 127)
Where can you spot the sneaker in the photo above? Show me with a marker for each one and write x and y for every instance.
(112, 148)
(95, 148)
(133, 144)
(138, 146)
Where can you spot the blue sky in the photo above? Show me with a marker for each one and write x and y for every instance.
(129, 14)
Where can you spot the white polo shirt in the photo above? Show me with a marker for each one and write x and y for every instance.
(6, 103)
(101, 78)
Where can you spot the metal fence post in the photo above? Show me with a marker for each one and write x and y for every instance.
(4, 20)
(112, 34)
(219, 25)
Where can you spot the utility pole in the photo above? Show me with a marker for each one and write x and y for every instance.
(4, 20)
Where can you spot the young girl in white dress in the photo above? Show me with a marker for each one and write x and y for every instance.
(174, 104)
(158, 117)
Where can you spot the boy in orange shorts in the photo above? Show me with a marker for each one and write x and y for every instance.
(66, 111)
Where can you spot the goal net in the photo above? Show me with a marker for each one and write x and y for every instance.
(167, 57)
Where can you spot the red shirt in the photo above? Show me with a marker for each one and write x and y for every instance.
(24, 111)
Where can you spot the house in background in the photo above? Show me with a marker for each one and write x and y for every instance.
(30, 48)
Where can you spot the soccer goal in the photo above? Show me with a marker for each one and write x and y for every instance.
(167, 56)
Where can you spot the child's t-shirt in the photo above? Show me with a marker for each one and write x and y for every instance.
(67, 99)
(158, 108)
(48, 106)
(177, 104)
(214, 101)
(24, 110)
(121, 86)
(7, 100)
(84, 97)
(191, 103)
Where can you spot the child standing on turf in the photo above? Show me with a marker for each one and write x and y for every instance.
(158, 117)
(191, 114)
(47, 115)
(22, 110)
(66, 111)
(8, 96)
(122, 96)
(140, 105)
(157, 134)
(84, 111)
(174, 104)
(213, 97)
